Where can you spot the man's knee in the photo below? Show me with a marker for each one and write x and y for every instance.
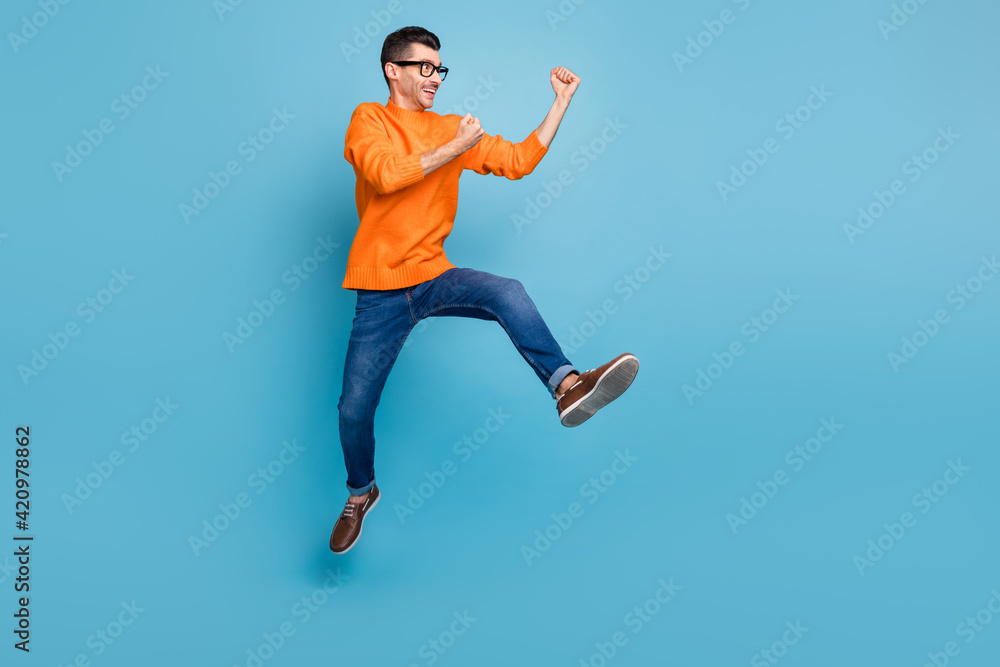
(501, 299)
(512, 294)
(353, 405)
(512, 287)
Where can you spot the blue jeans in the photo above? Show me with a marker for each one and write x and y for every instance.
(384, 318)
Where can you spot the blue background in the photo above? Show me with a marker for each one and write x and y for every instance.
(162, 337)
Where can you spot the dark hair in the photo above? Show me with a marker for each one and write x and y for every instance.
(397, 44)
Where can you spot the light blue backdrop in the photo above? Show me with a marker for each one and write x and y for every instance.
(811, 442)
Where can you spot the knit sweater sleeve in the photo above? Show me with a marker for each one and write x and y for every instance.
(495, 155)
(368, 147)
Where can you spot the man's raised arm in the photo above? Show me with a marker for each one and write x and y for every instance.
(500, 157)
(564, 83)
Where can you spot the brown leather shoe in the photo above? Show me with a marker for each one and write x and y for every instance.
(596, 388)
(348, 527)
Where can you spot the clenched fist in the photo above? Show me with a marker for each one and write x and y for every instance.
(564, 82)
(469, 132)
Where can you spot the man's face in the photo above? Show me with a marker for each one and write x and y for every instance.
(418, 90)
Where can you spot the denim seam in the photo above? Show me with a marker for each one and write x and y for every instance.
(409, 304)
(499, 319)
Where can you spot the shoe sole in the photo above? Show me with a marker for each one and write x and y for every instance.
(609, 386)
(361, 527)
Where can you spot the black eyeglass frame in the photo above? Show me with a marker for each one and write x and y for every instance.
(443, 71)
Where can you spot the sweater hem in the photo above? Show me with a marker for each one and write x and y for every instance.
(404, 275)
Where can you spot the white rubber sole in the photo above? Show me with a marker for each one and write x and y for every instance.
(609, 386)
(361, 528)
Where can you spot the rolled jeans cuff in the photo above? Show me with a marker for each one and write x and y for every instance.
(559, 376)
(363, 490)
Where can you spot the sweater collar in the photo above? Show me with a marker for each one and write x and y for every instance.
(406, 116)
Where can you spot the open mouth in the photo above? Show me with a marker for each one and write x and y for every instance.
(430, 92)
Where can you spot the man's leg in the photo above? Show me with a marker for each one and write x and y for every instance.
(481, 295)
(382, 321)
(477, 294)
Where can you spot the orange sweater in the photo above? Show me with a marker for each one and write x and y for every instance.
(406, 216)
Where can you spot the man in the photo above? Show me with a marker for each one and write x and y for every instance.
(407, 161)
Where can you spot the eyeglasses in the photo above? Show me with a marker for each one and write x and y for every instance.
(426, 68)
